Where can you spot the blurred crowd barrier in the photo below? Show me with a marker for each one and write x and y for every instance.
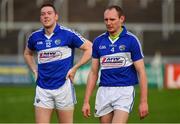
(159, 76)
(15, 74)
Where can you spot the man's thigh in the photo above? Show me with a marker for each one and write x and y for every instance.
(106, 118)
(65, 116)
(43, 115)
(120, 116)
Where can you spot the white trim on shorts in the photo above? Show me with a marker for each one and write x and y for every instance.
(109, 99)
(62, 98)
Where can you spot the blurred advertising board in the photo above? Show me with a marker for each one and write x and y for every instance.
(167, 75)
(82, 74)
(155, 75)
(172, 76)
(14, 74)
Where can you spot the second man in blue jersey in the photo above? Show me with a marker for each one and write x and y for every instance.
(118, 55)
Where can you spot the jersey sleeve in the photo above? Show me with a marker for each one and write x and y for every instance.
(95, 50)
(136, 49)
(77, 40)
(30, 43)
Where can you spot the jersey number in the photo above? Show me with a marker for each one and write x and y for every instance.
(112, 49)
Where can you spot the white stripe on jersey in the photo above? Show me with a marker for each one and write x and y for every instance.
(39, 30)
(74, 32)
(113, 41)
(116, 60)
(53, 54)
(129, 33)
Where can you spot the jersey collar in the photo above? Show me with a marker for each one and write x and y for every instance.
(56, 29)
(124, 31)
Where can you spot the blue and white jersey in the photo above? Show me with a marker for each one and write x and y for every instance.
(55, 54)
(117, 57)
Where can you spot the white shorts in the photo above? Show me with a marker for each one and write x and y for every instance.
(109, 99)
(62, 98)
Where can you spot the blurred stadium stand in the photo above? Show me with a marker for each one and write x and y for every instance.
(155, 22)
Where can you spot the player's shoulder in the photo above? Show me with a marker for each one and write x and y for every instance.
(132, 36)
(101, 37)
(36, 32)
(66, 29)
(69, 31)
(127, 34)
(133, 39)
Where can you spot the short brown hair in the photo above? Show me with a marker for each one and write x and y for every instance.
(117, 8)
(48, 4)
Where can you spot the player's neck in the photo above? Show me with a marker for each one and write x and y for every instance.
(116, 34)
(50, 30)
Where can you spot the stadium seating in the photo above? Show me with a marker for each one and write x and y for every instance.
(79, 11)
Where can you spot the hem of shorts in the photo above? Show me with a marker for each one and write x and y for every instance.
(122, 109)
(95, 115)
(43, 106)
(66, 108)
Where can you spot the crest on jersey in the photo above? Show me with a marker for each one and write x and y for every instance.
(122, 47)
(58, 41)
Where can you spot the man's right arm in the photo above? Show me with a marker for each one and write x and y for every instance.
(91, 83)
(143, 106)
(29, 58)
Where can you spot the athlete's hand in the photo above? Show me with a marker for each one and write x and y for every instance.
(86, 110)
(71, 73)
(35, 72)
(143, 110)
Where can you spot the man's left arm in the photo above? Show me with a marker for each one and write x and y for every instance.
(87, 52)
(143, 106)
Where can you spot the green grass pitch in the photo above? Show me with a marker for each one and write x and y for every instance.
(16, 105)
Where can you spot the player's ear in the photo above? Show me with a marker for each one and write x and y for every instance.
(56, 16)
(122, 19)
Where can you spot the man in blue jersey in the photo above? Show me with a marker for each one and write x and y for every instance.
(54, 45)
(118, 55)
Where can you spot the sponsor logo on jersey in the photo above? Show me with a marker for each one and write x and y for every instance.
(54, 54)
(112, 61)
(50, 54)
(39, 43)
(102, 47)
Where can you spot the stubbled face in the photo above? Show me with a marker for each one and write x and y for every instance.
(48, 17)
(112, 21)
